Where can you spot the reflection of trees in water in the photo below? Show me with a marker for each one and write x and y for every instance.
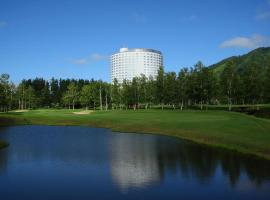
(3, 154)
(137, 161)
(164, 155)
(192, 162)
(3, 161)
(202, 162)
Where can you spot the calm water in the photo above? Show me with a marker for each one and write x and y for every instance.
(55, 162)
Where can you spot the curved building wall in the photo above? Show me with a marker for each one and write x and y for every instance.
(129, 63)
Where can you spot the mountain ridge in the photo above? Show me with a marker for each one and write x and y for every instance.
(259, 56)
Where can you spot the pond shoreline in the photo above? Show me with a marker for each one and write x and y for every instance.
(149, 126)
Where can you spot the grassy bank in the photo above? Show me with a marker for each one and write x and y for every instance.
(229, 130)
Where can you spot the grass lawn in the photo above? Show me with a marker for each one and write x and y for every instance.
(229, 130)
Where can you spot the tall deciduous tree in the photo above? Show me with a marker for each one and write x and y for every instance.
(253, 82)
(142, 91)
(115, 94)
(182, 87)
(170, 89)
(30, 96)
(267, 84)
(160, 87)
(71, 95)
(150, 89)
(87, 95)
(227, 81)
(4, 92)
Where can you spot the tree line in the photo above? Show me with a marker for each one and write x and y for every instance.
(196, 86)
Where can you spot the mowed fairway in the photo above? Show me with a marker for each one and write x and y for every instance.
(229, 130)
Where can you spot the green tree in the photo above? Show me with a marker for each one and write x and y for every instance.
(142, 91)
(86, 95)
(150, 90)
(45, 95)
(253, 82)
(21, 95)
(55, 92)
(227, 81)
(30, 96)
(160, 87)
(71, 95)
(107, 94)
(209, 86)
(200, 82)
(170, 89)
(2, 97)
(5, 92)
(267, 85)
(100, 95)
(115, 94)
(182, 81)
(134, 93)
(126, 93)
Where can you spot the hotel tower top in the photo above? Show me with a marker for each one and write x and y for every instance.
(130, 63)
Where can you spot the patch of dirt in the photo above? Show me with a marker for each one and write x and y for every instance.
(85, 112)
(18, 111)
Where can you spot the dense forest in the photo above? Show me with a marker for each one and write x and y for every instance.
(236, 80)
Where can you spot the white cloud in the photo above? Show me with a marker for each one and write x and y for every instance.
(81, 61)
(94, 57)
(3, 24)
(97, 57)
(252, 42)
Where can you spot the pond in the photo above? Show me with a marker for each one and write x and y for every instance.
(65, 162)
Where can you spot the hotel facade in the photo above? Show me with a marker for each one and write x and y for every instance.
(130, 63)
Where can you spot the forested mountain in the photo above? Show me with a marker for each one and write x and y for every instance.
(259, 57)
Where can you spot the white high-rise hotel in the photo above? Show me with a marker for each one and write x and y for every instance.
(130, 63)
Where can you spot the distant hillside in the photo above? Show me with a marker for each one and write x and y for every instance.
(259, 56)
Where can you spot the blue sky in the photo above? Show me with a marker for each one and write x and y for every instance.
(73, 38)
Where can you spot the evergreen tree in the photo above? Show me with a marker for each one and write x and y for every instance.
(182, 87)
(55, 92)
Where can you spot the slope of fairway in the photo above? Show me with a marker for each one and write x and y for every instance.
(229, 130)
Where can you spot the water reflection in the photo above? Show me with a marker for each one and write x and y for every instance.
(133, 161)
(96, 159)
(3, 161)
(139, 161)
